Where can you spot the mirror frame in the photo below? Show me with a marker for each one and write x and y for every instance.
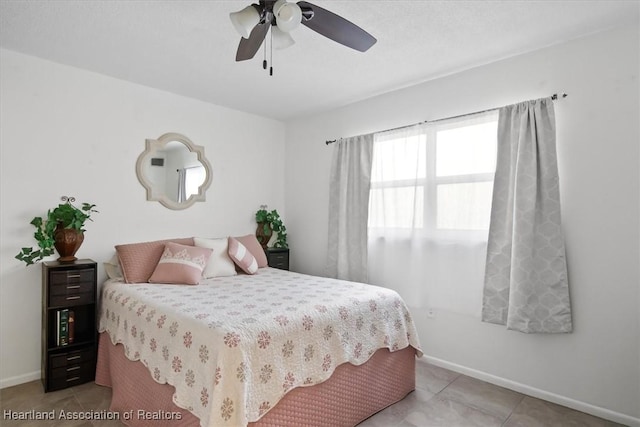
(152, 146)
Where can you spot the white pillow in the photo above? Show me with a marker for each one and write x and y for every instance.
(112, 268)
(219, 264)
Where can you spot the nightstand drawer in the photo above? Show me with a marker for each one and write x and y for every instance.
(281, 265)
(71, 276)
(72, 298)
(71, 288)
(279, 256)
(71, 358)
(71, 375)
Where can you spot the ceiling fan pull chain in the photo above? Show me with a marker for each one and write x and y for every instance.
(271, 54)
(264, 61)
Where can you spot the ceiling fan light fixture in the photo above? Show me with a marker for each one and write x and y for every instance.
(282, 17)
(245, 19)
(281, 40)
(288, 15)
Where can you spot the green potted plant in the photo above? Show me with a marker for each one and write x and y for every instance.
(268, 223)
(61, 229)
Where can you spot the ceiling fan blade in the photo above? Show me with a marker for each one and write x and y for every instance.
(248, 47)
(337, 28)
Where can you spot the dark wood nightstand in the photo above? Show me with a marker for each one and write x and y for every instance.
(278, 258)
(69, 298)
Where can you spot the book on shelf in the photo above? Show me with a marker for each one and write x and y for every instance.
(63, 327)
(58, 327)
(71, 328)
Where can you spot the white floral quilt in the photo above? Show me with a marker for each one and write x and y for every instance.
(234, 346)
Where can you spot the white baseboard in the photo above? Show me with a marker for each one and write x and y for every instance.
(540, 394)
(20, 379)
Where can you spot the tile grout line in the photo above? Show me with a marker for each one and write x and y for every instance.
(513, 410)
(480, 409)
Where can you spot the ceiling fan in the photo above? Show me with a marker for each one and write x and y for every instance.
(254, 21)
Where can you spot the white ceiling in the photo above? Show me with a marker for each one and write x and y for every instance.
(188, 47)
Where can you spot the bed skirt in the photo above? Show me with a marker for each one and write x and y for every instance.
(352, 394)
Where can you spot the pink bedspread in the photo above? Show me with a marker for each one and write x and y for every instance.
(233, 347)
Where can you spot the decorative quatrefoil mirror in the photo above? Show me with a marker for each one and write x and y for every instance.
(174, 171)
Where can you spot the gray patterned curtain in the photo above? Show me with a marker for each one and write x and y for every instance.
(349, 186)
(526, 285)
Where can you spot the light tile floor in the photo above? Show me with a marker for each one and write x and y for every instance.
(442, 399)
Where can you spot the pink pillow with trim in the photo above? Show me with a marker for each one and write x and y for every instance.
(242, 256)
(139, 260)
(181, 264)
(250, 241)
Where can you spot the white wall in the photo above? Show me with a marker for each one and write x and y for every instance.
(66, 131)
(596, 367)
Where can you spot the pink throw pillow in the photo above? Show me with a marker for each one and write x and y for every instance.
(138, 260)
(242, 256)
(250, 241)
(180, 264)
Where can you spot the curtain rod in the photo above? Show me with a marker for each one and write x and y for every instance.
(553, 97)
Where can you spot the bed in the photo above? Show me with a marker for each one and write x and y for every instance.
(270, 348)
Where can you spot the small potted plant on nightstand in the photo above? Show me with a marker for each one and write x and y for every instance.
(268, 223)
(62, 228)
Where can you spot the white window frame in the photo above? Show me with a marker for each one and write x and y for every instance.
(431, 181)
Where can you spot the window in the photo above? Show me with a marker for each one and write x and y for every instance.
(436, 177)
(194, 178)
